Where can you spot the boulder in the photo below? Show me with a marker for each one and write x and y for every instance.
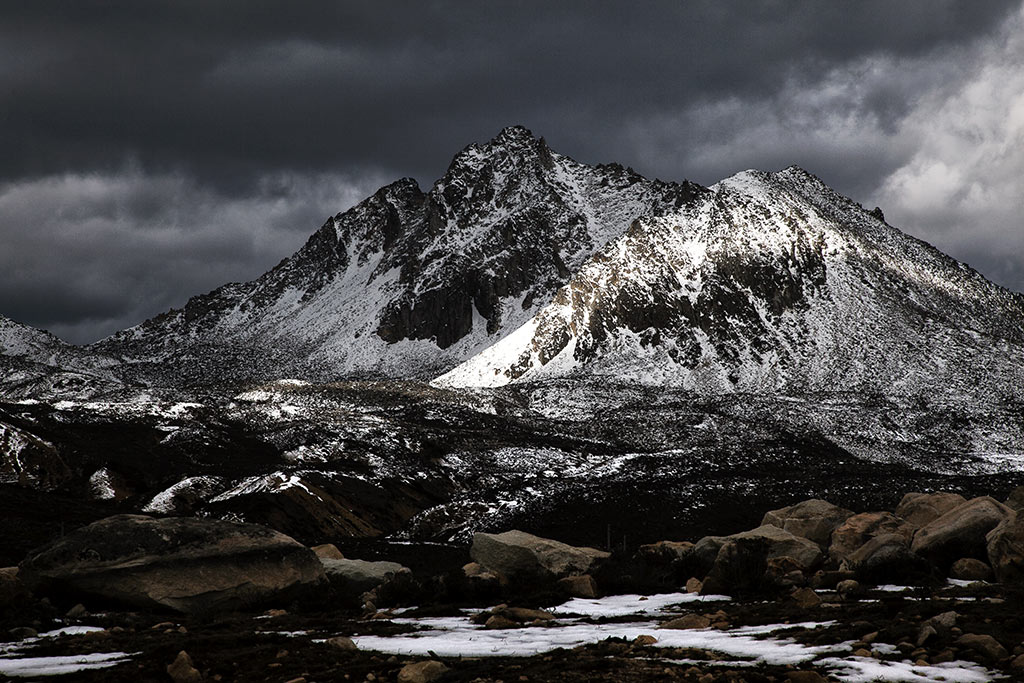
(343, 643)
(185, 564)
(983, 644)
(859, 529)
(688, 621)
(920, 509)
(422, 672)
(960, 532)
(1015, 500)
(354, 577)
(582, 586)
(698, 560)
(327, 551)
(805, 598)
(740, 567)
(12, 590)
(970, 569)
(813, 519)
(181, 670)
(888, 559)
(1005, 550)
(519, 555)
(782, 543)
(663, 552)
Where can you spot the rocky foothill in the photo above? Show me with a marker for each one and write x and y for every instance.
(935, 586)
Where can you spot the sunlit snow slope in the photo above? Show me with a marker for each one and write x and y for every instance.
(771, 282)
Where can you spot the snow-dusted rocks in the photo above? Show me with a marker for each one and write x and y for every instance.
(185, 564)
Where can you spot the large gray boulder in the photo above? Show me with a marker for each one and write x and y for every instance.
(960, 532)
(920, 509)
(519, 555)
(185, 564)
(1005, 549)
(814, 519)
(355, 577)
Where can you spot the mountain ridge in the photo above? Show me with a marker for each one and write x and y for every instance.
(521, 264)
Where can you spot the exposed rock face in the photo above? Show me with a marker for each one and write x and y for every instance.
(859, 529)
(812, 519)
(518, 555)
(961, 531)
(188, 565)
(1005, 549)
(919, 509)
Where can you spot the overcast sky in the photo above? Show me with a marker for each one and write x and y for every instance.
(150, 151)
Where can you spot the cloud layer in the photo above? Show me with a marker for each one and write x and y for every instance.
(156, 150)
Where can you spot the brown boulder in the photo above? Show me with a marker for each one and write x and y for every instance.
(1005, 549)
(1015, 500)
(12, 590)
(921, 508)
(985, 645)
(687, 621)
(960, 532)
(185, 564)
(859, 529)
(582, 586)
(422, 672)
(519, 555)
(805, 598)
(887, 559)
(327, 551)
(181, 670)
(970, 569)
(813, 519)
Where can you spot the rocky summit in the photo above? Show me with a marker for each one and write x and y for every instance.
(551, 393)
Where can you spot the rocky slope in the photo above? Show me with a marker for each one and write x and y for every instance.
(37, 364)
(770, 283)
(407, 283)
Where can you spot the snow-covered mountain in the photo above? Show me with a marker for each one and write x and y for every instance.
(35, 363)
(407, 283)
(770, 283)
(521, 264)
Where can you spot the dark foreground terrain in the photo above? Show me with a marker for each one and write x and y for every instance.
(243, 647)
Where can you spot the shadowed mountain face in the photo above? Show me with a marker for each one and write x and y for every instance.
(407, 283)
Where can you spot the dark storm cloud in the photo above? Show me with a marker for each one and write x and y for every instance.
(243, 124)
